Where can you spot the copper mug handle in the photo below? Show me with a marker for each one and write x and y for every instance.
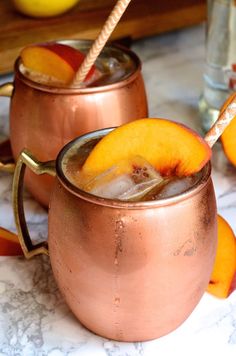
(6, 165)
(26, 159)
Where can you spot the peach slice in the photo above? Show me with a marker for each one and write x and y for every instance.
(9, 244)
(228, 136)
(54, 60)
(171, 148)
(228, 140)
(225, 262)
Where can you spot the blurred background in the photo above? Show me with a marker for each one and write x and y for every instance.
(85, 19)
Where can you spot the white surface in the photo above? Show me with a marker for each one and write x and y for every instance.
(34, 319)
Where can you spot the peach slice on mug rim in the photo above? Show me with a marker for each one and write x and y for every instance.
(55, 60)
(171, 148)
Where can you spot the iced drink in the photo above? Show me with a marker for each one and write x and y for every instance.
(112, 66)
(45, 114)
(141, 183)
(104, 252)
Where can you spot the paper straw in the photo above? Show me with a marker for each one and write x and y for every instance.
(101, 40)
(227, 113)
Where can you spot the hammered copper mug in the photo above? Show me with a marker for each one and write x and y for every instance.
(129, 271)
(44, 118)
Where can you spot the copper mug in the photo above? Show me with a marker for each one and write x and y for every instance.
(43, 118)
(129, 271)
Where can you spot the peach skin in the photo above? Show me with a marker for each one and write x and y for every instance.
(9, 244)
(228, 139)
(225, 262)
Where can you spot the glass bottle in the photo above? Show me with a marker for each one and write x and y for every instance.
(220, 67)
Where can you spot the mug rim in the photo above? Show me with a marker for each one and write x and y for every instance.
(86, 90)
(115, 203)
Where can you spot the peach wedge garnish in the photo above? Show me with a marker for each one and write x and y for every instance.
(9, 244)
(171, 148)
(225, 261)
(228, 140)
(54, 60)
(228, 137)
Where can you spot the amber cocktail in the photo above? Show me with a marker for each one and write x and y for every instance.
(129, 270)
(44, 116)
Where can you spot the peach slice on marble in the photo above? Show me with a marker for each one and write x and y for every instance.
(9, 244)
(224, 268)
(55, 60)
(171, 148)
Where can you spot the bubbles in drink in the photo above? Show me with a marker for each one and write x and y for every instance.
(133, 179)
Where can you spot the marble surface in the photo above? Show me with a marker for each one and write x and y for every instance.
(34, 320)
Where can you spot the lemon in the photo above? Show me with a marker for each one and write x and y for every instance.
(43, 8)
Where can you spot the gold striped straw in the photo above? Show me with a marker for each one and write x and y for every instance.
(227, 113)
(100, 42)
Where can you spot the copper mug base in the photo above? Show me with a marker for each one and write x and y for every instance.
(129, 271)
(43, 118)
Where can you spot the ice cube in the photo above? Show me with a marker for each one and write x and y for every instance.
(114, 188)
(111, 64)
(128, 180)
(176, 186)
(113, 69)
(138, 191)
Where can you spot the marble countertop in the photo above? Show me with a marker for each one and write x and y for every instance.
(34, 320)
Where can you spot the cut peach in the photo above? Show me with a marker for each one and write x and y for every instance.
(54, 60)
(228, 136)
(171, 148)
(9, 244)
(228, 139)
(225, 262)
